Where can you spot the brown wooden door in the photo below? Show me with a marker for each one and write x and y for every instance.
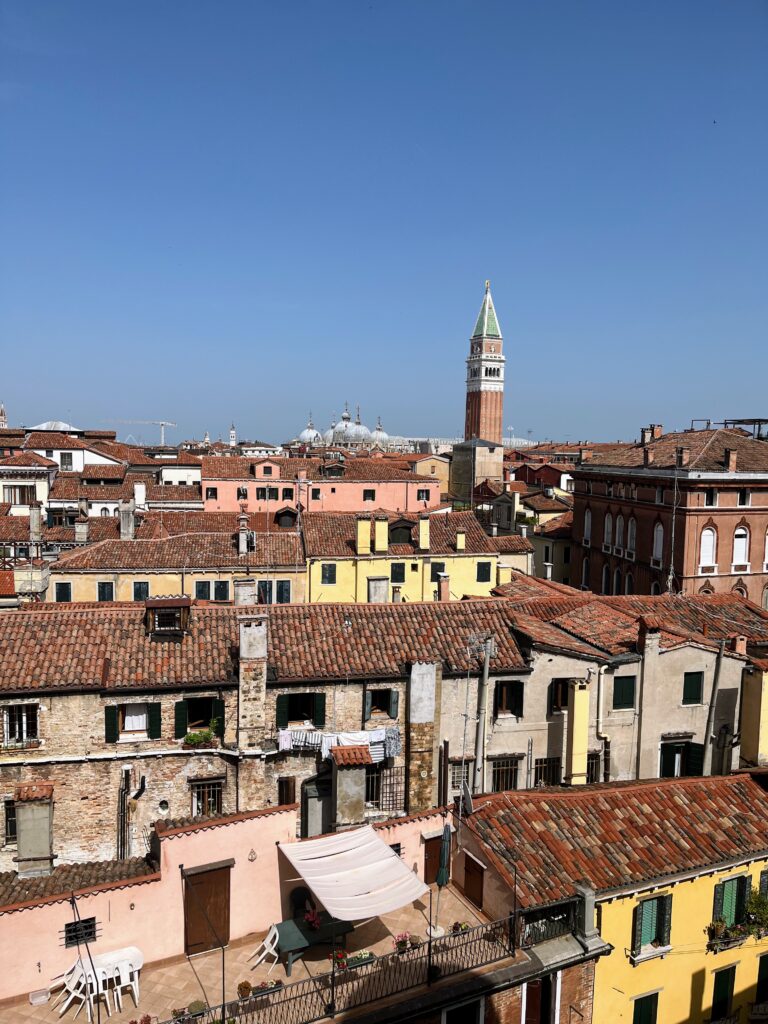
(432, 858)
(533, 1002)
(473, 881)
(206, 910)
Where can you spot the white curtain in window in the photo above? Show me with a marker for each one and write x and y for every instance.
(619, 531)
(135, 718)
(707, 547)
(658, 540)
(608, 528)
(631, 534)
(741, 545)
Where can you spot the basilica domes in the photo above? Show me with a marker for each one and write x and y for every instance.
(345, 433)
(309, 435)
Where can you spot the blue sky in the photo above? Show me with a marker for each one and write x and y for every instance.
(244, 210)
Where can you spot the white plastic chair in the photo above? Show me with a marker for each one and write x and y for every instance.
(97, 988)
(125, 976)
(76, 987)
(267, 948)
(64, 982)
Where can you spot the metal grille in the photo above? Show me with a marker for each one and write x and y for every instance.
(76, 932)
(385, 788)
(547, 771)
(504, 774)
(593, 768)
(541, 925)
(206, 798)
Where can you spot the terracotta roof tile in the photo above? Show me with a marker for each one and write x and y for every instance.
(559, 528)
(67, 878)
(7, 583)
(707, 452)
(334, 535)
(347, 757)
(27, 460)
(513, 543)
(28, 792)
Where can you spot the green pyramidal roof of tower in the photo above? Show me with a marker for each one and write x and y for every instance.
(487, 325)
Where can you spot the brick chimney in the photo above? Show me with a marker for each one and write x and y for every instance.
(424, 533)
(242, 532)
(738, 645)
(140, 494)
(645, 436)
(422, 734)
(585, 454)
(656, 431)
(127, 520)
(252, 720)
(36, 523)
(461, 540)
(648, 634)
(443, 587)
(381, 535)
(363, 535)
(648, 456)
(730, 460)
(682, 457)
(82, 524)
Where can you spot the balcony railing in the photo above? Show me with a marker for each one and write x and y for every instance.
(338, 991)
(549, 923)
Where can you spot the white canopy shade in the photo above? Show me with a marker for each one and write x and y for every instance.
(354, 874)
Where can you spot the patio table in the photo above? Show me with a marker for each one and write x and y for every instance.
(295, 935)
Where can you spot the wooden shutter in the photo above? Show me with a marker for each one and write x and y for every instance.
(764, 888)
(368, 701)
(281, 711)
(218, 714)
(180, 719)
(551, 697)
(154, 722)
(319, 716)
(111, 724)
(516, 703)
(742, 891)
(695, 759)
(650, 921)
(496, 699)
(665, 922)
(637, 927)
(717, 905)
(394, 703)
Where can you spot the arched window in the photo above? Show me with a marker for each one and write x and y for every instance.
(585, 573)
(765, 599)
(608, 528)
(741, 591)
(619, 531)
(105, 511)
(655, 589)
(629, 583)
(741, 546)
(617, 581)
(658, 541)
(606, 579)
(587, 527)
(631, 533)
(707, 547)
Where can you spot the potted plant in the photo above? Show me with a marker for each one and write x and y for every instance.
(313, 919)
(338, 958)
(401, 941)
(266, 986)
(196, 1008)
(459, 926)
(415, 941)
(244, 990)
(362, 956)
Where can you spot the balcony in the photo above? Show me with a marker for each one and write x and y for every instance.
(552, 922)
(758, 1012)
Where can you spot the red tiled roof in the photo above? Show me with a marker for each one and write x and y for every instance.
(53, 441)
(513, 543)
(28, 792)
(333, 535)
(28, 460)
(169, 523)
(541, 503)
(707, 452)
(128, 453)
(68, 878)
(539, 631)
(69, 487)
(558, 528)
(240, 468)
(113, 471)
(7, 583)
(174, 492)
(619, 835)
(347, 757)
(524, 587)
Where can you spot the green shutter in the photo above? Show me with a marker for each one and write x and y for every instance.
(665, 928)
(729, 901)
(764, 888)
(319, 716)
(111, 724)
(693, 687)
(550, 698)
(722, 993)
(180, 719)
(394, 703)
(717, 905)
(623, 693)
(637, 926)
(281, 711)
(154, 724)
(650, 924)
(695, 759)
(645, 1008)
(218, 714)
(742, 891)
(368, 701)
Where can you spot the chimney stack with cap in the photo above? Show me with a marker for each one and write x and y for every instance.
(363, 540)
(645, 436)
(127, 520)
(656, 431)
(443, 586)
(647, 456)
(739, 645)
(35, 525)
(424, 533)
(730, 460)
(242, 531)
(82, 525)
(682, 457)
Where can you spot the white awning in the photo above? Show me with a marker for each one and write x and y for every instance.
(354, 874)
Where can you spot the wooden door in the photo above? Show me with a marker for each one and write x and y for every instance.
(432, 858)
(533, 1002)
(206, 910)
(473, 881)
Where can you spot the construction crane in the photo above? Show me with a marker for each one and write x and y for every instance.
(157, 423)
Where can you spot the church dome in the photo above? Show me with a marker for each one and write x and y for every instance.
(358, 431)
(379, 435)
(309, 435)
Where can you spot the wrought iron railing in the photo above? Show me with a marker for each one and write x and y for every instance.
(547, 923)
(338, 991)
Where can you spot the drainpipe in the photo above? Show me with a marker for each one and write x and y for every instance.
(708, 737)
(606, 740)
(482, 714)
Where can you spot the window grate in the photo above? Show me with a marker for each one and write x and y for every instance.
(547, 771)
(75, 932)
(207, 797)
(504, 772)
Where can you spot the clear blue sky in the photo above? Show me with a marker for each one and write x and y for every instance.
(243, 210)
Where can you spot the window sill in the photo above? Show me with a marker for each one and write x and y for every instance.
(139, 737)
(651, 953)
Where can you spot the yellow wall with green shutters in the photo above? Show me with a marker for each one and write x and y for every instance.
(683, 977)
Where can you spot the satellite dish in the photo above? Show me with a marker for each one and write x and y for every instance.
(466, 796)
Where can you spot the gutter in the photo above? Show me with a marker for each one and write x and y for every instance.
(131, 755)
(604, 737)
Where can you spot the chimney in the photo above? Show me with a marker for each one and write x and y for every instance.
(127, 520)
(523, 529)
(140, 494)
(682, 457)
(81, 530)
(548, 570)
(730, 460)
(34, 829)
(36, 523)
(397, 593)
(577, 738)
(646, 434)
(252, 723)
(242, 532)
(422, 734)
(443, 586)
(461, 540)
(647, 456)
(246, 592)
(549, 491)
(739, 645)
(648, 635)
(424, 533)
(380, 534)
(363, 540)
(585, 454)
(82, 506)
(494, 529)
(656, 431)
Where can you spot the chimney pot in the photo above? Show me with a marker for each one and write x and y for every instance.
(363, 535)
(35, 523)
(127, 520)
(656, 431)
(443, 587)
(424, 533)
(381, 534)
(461, 540)
(739, 645)
(730, 460)
(683, 456)
(140, 494)
(645, 435)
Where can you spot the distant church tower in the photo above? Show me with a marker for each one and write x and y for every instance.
(232, 437)
(3, 418)
(485, 376)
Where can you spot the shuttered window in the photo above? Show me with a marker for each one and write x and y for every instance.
(652, 924)
(722, 992)
(730, 900)
(300, 707)
(646, 1009)
(508, 698)
(693, 687)
(623, 693)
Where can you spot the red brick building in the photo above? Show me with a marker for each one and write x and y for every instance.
(683, 511)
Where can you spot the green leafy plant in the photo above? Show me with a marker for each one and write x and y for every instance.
(196, 1006)
(201, 738)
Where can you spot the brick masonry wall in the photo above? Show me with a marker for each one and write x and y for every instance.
(577, 989)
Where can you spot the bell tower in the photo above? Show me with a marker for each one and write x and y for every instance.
(485, 376)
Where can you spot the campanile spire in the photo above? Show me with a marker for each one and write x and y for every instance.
(485, 376)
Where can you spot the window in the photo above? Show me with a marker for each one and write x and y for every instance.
(587, 525)
(397, 849)
(744, 497)
(299, 708)
(105, 592)
(617, 581)
(503, 774)
(710, 497)
(459, 774)
(266, 471)
(202, 590)
(286, 518)
(400, 534)
(585, 574)
(63, 592)
(693, 687)
(211, 493)
(264, 591)
(619, 541)
(221, 590)
(369, 494)
(133, 719)
(567, 554)
(140, 591)
(328, 574)
(200, 712)
(508, 698)
(206, 797)
(49, 453)
(547, 771)
(741, 546)
(381, 702)
(557, 696)
(761, 995)
(659, 495)
(77, 932)
(645, 1009)
(658, 542)
(466, 1013)
(436, 569)
(655, 588)
(139, 720)
(607, 528)
(105, 512)
(652, 924)
(283, 589)
(722, 992)
(606, 579)
(19, 723)
(629, 584)
(483, 572)
(730, 900)
(631, 533)
(623, 693)
(273, 493)
(287, 494)
(10, 822)
(707, 547)
(242, 494)
(196, 713)
(261, 494)
(286, 790)
(397, 572)
(681, 758)
(593, 767)
(18, 494)
(316, 494)
(422, 494)
(66, 462)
